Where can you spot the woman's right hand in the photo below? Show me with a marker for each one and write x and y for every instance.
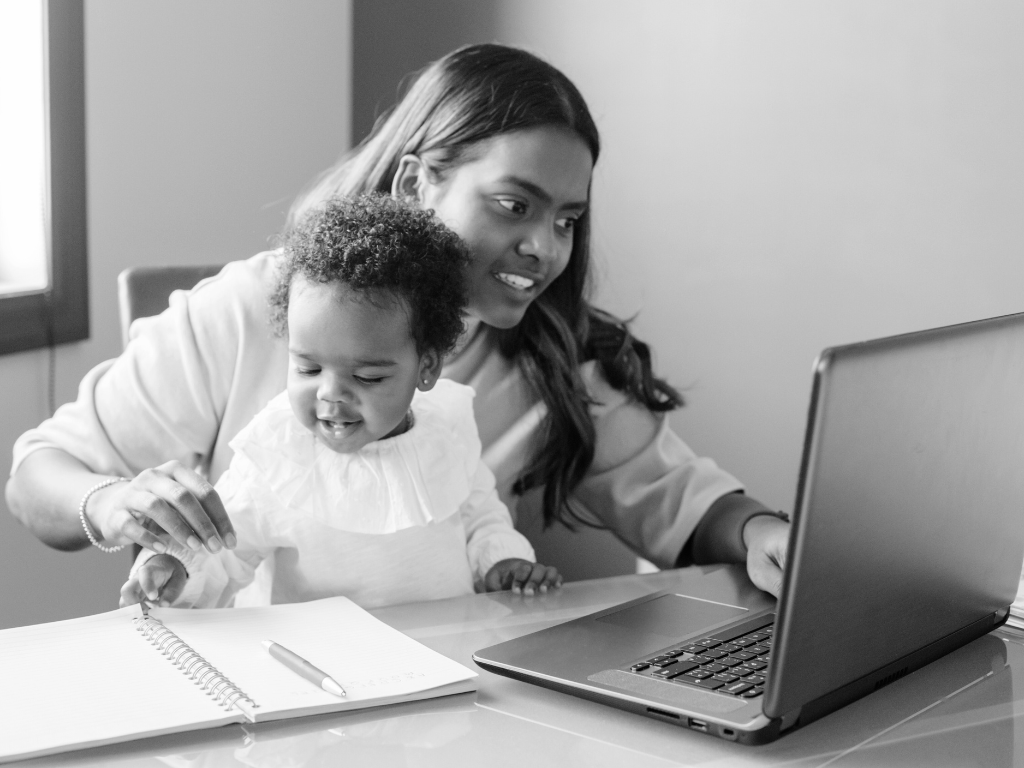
(169, 500)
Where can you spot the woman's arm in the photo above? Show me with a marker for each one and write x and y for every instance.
(668, 504)
(46, 491)
(168, 405)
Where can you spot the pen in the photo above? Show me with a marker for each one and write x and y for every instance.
(303, 668)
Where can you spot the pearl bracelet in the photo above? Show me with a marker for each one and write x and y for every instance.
(85, 523)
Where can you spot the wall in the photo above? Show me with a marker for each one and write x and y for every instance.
(777, 178)
(781, 177)
(204, 120)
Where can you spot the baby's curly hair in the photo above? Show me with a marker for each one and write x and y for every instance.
(378, 245)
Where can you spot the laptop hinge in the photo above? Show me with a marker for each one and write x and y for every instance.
(790, 719)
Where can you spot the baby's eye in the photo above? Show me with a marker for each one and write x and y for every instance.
(513, 205)
(306, 371)
(369, 379)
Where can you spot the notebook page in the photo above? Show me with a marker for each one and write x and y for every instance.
(374, 663)
(92, 681)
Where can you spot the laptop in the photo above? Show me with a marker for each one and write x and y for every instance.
(906, 543)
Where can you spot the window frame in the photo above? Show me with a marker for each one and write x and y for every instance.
(59, 313)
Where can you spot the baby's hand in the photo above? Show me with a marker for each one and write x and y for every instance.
(522, 576)
(159, 580)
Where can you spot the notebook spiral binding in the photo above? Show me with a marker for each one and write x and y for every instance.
(210, 680)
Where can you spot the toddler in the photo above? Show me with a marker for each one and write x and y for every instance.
(364, 477)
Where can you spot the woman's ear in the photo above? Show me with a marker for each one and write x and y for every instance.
(410, 179)
(430, 371)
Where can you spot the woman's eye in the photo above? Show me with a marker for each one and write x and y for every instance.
(566, 224)
(512, 205)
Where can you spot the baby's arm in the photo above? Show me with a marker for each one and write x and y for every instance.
(160, 579)
(500, 556)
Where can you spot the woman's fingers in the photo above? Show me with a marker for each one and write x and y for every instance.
(212, 517)
(767, 539)
(170, 499)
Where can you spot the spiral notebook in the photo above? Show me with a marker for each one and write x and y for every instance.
(127, 675)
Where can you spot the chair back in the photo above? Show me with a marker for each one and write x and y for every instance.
(144, 291)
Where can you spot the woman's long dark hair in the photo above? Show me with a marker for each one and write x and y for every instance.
(471, 95)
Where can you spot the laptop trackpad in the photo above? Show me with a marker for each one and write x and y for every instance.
(673, 616)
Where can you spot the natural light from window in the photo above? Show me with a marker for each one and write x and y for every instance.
(23, 260)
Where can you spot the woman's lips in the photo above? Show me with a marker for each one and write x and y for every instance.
(517, 281)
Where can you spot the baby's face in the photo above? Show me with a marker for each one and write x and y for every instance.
(353, 367)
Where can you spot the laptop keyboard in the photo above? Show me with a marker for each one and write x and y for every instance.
(736, 664)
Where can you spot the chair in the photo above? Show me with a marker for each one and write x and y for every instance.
(144, 291)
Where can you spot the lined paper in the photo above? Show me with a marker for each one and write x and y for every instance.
(92, 681)
(372, 661)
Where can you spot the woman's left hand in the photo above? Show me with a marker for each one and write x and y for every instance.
(767, 539)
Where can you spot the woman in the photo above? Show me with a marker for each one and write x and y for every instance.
(502, 147)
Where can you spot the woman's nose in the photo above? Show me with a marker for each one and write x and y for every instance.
(541, 243)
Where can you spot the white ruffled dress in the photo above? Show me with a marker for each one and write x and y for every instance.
(413, 517)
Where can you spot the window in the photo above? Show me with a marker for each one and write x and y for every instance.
(43, 277)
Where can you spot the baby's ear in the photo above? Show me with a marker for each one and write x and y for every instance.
(430, 370)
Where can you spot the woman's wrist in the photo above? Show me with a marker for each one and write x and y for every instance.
(759, 523)
(720, 536)
(90, 513)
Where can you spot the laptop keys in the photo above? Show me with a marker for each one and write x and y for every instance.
(737, 688)
(708, 683)
(731, 663)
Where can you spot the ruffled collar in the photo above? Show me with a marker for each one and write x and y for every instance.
(417, 478)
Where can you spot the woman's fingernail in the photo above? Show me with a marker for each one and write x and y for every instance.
(543, 588)
(214, 545)
(194, 543)
(515, 589)
(159, 547)
(528, 591)
(230, 541)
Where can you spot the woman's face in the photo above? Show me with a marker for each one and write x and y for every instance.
(514, 201)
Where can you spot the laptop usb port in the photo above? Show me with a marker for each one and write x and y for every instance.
(698, 725)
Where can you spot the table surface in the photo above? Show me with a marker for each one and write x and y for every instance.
(961, 710)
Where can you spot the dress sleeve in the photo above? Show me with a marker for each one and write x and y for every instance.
(647, 486)
(165, 396)
(490, 536)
